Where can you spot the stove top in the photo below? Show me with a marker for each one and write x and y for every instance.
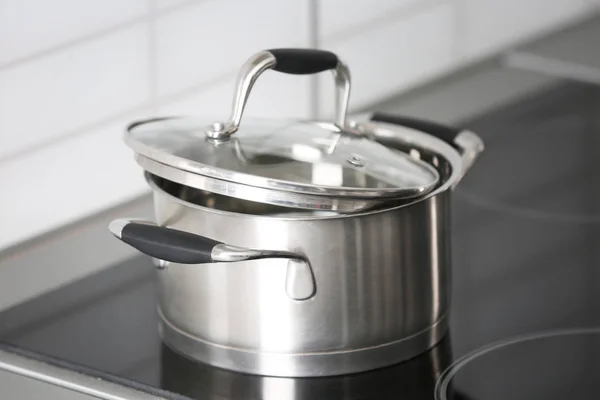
(548, 365)
(526, 252)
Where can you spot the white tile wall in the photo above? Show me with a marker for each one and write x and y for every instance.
(274, 95)
(338, 16)
(73, 73)
(491, 24)
(394, 56)
(31, 26)
(46, 98)
(213, 38)
(65, 181)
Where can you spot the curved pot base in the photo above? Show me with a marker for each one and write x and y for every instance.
(301, 364)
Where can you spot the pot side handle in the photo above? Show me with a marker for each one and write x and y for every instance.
(175, 246)
(164, 243)
(466, 142)
(447, 133)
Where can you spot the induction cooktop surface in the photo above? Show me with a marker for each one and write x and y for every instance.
(525, 309)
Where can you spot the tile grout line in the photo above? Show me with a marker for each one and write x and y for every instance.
(314, 42)
(80, 131)
(101, 33)
(152, 57)
(74, 42)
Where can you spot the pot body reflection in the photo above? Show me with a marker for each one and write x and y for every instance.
(412, 379)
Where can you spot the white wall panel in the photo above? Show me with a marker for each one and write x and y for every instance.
(69, 180)
(394, 56)
(336, 16)
(31, 26)
(213, 38)
(274, 95)
(46, 98)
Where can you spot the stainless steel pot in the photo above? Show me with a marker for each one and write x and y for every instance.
(260, 288)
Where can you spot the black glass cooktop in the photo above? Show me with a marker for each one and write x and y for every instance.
(526, 256)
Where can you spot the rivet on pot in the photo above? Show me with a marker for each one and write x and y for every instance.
(299, 281)
(160, 264)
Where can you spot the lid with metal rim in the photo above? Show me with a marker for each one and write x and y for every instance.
(302, 164)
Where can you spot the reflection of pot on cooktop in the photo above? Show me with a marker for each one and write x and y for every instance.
(413, 379)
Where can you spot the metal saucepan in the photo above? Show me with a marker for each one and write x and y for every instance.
(274, 288)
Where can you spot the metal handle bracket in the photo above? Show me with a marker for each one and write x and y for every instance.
(264, 60)
(167, 245)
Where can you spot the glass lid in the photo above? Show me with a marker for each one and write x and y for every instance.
(282, 161)
(296, 156)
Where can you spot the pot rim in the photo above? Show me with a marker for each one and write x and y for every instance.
(224, 180)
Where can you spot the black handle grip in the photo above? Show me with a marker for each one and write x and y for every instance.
(446, 133)
(168, 244)
(303, 61)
